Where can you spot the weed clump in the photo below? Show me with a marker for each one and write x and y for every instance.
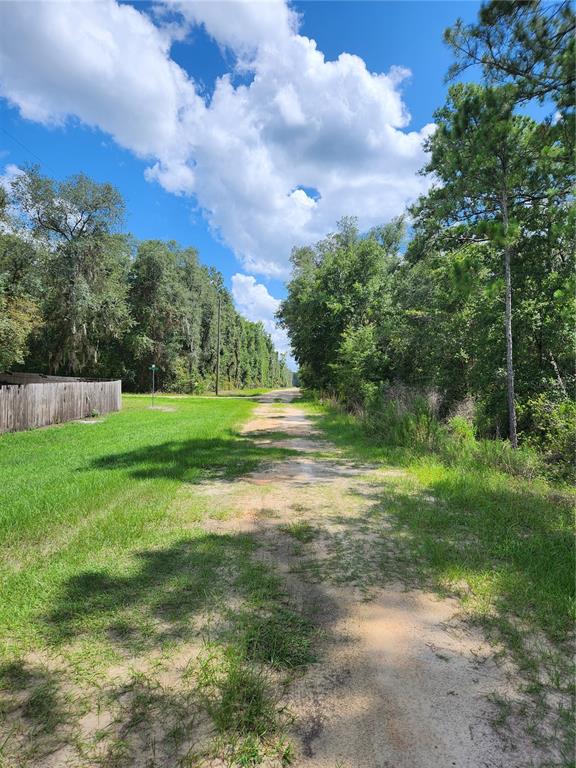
(300, 530)
(240, 700)
(281, 638)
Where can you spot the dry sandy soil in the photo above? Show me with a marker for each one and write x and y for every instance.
(402, 681)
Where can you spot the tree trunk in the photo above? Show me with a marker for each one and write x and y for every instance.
(558, 377)
(508, 331)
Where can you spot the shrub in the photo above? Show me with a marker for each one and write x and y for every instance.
(458, 440)
(551, 428)
(403, 417)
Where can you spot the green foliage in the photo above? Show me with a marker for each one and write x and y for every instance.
(83, 267)
(551, 428)
(481, 306)
(530, 44)
(335, 297)
(19, 317)
(78, 297)
(20, 313)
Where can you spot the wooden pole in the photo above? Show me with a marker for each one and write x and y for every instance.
(218, 349)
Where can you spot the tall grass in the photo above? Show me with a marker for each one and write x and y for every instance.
(414, 424)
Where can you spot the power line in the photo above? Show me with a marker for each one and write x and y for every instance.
(27, 149)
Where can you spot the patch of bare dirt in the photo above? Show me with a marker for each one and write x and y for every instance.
(162, 408)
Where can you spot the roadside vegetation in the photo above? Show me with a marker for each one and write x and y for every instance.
(473, 316)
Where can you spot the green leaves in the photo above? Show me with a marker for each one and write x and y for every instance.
(339, 289)
(77, 297)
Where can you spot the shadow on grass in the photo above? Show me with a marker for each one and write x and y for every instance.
(160, 598)
(192, 461)
(34, 700)
(511, 550)
(510, 540)
(201, 588)
(259, 434)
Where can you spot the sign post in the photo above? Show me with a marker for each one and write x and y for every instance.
(153, 369)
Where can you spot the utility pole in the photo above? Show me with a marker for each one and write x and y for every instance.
(218, 347)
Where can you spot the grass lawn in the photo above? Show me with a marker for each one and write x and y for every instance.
(503, 545)
(105, 566)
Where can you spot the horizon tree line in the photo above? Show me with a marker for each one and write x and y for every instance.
(80, 297)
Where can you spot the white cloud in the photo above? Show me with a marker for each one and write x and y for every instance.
(104, 63)
(302, 121)
(246, 153)
(245, 26)
(254, 301)
(302, 198)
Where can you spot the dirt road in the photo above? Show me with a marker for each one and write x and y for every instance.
(401, 681)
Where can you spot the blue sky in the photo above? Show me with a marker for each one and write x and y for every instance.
(222, 125)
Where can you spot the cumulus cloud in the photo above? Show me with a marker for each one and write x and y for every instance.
(256, 303)
(294, 121)
(302, 121)
(103, 63)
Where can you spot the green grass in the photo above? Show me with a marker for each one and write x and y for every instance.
(300, 530)
(279, 637)
(77, 498)
(104, 559)
(509, 538)
(503, 544)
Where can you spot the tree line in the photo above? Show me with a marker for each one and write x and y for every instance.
(477, 306)
(79, 297)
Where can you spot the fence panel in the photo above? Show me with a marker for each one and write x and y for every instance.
(29, 401)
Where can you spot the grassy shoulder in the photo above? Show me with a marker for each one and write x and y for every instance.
(128, 631)
(503, 544)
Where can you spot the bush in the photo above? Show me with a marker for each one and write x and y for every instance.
(460, 446)
(458, 440)
(550, 427)
(402, 417)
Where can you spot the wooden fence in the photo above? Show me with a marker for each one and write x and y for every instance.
(29, 400)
